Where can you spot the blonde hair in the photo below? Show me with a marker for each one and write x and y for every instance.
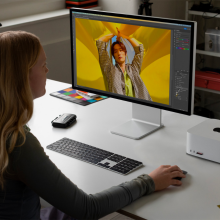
(19, 51)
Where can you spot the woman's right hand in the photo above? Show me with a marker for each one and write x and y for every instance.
(163, 176)
(107, 37)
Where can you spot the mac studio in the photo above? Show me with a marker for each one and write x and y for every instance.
(203, 140)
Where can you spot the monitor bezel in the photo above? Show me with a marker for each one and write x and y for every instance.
(139, 101)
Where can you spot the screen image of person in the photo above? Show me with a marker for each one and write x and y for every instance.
(124, 59)
(122, 78)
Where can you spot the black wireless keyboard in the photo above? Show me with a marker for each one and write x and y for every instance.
(96, 156)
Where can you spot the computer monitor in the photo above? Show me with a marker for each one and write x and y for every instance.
(152, 64)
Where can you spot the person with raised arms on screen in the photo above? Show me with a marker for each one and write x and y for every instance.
(26, 172)
(122, 78)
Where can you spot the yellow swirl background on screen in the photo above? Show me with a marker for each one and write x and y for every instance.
(155, 71)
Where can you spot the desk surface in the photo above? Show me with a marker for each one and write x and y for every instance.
(199, 194)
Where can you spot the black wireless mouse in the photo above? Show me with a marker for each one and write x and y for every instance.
(179, 178)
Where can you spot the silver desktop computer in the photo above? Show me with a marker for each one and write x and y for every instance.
(149, 61)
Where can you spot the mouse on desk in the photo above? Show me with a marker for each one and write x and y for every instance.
(179, 178)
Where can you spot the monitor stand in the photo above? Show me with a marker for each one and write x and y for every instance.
(145, 120)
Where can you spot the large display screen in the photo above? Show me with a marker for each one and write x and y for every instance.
(144, 61)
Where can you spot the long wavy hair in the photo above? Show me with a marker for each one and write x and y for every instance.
(19, 51)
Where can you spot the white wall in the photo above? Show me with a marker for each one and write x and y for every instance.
(10, 9)
(169, 8)
(160, 8)
(54, 34)
(120, 6)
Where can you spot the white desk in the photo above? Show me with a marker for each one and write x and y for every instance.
(196, 199)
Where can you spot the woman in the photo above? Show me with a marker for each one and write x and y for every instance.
(26, 172)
